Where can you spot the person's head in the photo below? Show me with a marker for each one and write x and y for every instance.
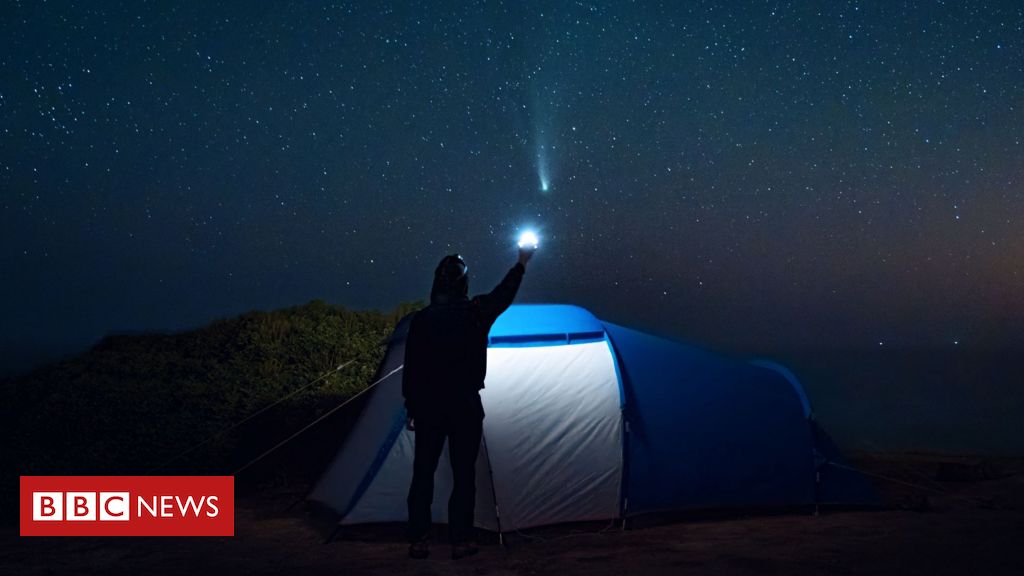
(451, 279)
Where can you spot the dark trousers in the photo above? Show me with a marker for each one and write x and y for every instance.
(463, 433)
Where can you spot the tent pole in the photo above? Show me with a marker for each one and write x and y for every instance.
(494, 493)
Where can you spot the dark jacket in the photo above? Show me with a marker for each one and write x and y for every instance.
(446, 349)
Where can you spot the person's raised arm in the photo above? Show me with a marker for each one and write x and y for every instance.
(498, 300)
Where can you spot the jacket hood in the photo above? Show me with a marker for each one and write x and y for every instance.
(443, 292)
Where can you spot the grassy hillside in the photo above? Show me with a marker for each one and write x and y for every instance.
(134, 401)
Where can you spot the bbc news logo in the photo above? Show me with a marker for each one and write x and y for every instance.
(127, 505)
(116, 506)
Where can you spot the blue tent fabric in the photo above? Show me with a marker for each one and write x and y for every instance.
(538, 324)
(791, 378)
(708, 432)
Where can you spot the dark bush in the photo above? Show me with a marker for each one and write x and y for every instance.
(133, 402)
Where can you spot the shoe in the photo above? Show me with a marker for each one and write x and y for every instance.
(460, 551)
(419, 550)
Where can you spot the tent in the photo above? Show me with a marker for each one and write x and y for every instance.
(588, 420)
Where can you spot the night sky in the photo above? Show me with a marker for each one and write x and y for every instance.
(752, 175)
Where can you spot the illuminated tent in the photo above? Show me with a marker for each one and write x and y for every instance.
(587, 420)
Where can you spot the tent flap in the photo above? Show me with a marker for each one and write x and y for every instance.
(553, 427)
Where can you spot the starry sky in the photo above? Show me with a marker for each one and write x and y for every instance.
(753, 175)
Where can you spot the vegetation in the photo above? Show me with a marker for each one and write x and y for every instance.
(133, 402)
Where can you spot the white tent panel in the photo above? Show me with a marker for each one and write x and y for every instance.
(553, 427)
(341, 479)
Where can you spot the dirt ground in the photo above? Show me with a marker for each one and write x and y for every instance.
(972, 522)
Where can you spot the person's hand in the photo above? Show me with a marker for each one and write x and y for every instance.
(410, 424)
(525, 253)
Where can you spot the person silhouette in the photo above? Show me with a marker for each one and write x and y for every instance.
(445, 366)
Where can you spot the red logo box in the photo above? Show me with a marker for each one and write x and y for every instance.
(127, 505)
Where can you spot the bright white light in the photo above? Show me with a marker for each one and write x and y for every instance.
(544, 186)
(528, 240)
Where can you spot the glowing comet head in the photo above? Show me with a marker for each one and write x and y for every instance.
(544, 186)
(528, 239)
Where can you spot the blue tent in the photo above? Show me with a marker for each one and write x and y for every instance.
(588, 420)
